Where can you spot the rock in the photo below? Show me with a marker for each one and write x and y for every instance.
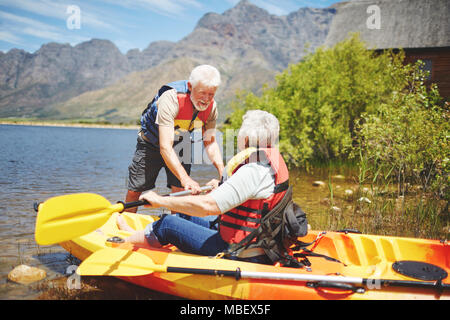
(318, 184)
(338, 176)
(446, 229)
(25, 274)
(336, 209)
(364, 199)
(348, 192)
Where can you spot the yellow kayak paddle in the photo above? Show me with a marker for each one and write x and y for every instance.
(118, 262)
(69, 216)
(121, 262)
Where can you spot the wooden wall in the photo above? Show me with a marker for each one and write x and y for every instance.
(440, 66)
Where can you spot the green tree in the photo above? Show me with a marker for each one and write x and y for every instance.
(406, 139)
(319, 99)
(349, 101)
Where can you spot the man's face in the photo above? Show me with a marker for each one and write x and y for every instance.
(201, 95)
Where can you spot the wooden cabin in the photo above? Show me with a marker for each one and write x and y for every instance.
(420, 27)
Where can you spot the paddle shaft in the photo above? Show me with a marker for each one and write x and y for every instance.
(121, 262)
(370, 283)
(175, 194)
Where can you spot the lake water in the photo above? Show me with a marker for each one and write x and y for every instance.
(38, 162)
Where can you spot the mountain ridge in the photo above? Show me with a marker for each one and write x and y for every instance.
(55, 81)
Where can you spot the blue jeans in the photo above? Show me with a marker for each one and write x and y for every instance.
(189, 234)
(192, 235)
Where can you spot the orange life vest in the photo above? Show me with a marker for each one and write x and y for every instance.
(240, 221)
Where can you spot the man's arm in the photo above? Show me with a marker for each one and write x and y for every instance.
(166, 135)
(213, 150)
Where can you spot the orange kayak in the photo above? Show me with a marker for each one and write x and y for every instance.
(368, 267)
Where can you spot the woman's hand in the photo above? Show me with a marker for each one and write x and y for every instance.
(152, 198)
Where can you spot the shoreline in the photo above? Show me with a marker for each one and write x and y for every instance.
(62, 124)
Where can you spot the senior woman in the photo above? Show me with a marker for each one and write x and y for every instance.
(253, 182)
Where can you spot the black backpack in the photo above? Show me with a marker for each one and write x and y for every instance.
(278, 231)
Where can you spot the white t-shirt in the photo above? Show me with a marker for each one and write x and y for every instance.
(251, 181)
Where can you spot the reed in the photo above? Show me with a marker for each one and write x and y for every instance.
(377, 207)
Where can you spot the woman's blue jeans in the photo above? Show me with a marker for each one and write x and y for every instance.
(192, 235)
(189, 234)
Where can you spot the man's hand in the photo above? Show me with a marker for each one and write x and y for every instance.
(152, 198)
(189, 184)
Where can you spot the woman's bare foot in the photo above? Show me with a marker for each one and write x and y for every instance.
(137, 237)
(122, 225)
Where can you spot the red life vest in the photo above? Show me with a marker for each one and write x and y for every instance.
(237, 223)
(184, 118)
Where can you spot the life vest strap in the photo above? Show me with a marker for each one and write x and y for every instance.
(278, 189)
(247, 209)
(236, 226)
(238, 216)
(163, 89)
(255, 232)
(281, 187)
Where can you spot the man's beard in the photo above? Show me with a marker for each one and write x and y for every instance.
(199, 107)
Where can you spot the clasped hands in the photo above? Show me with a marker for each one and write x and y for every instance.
(155, 200)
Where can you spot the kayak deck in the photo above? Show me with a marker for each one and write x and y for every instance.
(365, 256)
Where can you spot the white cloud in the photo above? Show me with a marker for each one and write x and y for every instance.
(18, 27)
(169, 8)
(41, 7)
(16, 20)
(57, 10)
(11, 38)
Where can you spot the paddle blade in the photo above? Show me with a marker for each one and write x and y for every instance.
(67, 217)
(118, 262)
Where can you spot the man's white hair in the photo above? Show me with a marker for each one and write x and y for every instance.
(206, 74)
(262, 129)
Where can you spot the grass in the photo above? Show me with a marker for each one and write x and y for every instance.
(379, 210)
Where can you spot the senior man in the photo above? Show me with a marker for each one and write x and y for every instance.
(175, 111)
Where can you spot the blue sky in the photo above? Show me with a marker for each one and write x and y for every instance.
(27, 24)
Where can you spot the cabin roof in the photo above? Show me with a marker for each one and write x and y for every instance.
(403, 23)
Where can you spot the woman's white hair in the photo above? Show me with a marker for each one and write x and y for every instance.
(262, 129)
(206, 74)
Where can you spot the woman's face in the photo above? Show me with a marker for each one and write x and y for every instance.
(242, 142)
(201, 95)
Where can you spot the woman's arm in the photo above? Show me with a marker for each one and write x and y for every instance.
(199, 206)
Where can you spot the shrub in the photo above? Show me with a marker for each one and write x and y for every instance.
(406, 139)
(348, 101)
(319, 99)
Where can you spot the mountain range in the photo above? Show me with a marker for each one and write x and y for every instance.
(94, 80)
